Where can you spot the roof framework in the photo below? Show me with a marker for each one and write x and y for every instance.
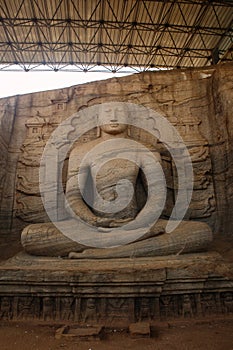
(114, 35)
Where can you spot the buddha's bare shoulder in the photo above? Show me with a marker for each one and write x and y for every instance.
(82, 148)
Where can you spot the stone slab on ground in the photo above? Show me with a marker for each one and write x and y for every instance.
(83, 333)
(139, 330)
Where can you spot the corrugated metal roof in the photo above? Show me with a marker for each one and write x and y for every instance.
(114, 35)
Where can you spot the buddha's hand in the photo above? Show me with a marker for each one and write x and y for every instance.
(105, 224)
(120, 222)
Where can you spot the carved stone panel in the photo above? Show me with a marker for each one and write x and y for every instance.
(197, 102)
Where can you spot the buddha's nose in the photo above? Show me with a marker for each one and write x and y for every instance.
(113, 116)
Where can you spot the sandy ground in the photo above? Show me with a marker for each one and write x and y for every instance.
(192, 335)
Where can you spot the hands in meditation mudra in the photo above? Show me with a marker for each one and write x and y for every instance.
(90, 186)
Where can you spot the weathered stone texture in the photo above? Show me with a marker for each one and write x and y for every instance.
(198, 102)
(7, 115)
(117, 291)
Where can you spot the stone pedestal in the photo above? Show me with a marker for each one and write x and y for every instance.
(115, 291)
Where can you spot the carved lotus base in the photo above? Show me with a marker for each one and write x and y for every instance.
(115, 291)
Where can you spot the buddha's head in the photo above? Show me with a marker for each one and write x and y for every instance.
(113, 118)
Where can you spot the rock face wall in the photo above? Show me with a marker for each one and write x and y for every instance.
(198, 102)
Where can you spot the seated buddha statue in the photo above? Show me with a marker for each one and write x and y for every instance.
(92, 182)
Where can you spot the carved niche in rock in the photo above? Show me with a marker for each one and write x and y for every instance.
(28, 204)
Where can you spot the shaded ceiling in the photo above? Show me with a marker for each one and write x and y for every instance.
(114, 35)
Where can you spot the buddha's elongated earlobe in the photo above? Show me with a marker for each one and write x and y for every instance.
(98, 131)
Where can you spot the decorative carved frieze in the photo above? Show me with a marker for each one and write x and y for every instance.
(114, 310)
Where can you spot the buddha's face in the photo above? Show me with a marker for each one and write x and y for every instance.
(113, 119)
